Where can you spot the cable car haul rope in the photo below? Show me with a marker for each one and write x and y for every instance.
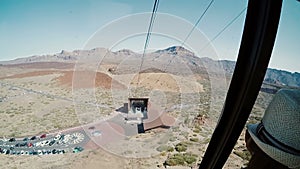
(153, 16)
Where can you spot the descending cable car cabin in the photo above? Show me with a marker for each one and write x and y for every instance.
(137, 110)
(145, 116)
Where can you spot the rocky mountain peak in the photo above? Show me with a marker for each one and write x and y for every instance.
(175, 50)
(125, 52)
(64, 52)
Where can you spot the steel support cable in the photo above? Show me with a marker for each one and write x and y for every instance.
(254, 55)
(196, 24)
(214, 38)
(153, 16)
(222, 30)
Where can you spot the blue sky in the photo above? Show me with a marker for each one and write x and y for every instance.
(34, 27)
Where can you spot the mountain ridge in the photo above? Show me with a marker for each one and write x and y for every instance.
(177, 53)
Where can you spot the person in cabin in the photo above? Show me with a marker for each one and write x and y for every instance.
(275, 141)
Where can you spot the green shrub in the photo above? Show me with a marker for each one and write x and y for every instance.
(184, 133)
(167, 148)
(206, 141)
(172, 139)
(175, 159)
(190, 158)
(196, 130)
(176, 129)
(181, 159)
(194, 139)
(163, 153)
(245, 155)
(170, 149)
(180, 147)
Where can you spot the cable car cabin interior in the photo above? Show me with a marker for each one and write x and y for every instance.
(255, 50)
(259, 34)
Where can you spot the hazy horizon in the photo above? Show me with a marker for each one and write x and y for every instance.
(45, 27)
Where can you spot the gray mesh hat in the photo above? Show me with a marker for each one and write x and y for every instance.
(278, 135)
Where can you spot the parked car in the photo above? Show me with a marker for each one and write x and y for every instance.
(33, 138)
(77, 149)
(96, 133)
(92, 128)
(23, 144)
(3, 151)
(62, 152)
(51, 142)
(44, 151)
(62, 137)
(37, 144)
(43, 136)
(57, 137)
(42, 144)
(12, 140)
(29, 144)
(39, 152)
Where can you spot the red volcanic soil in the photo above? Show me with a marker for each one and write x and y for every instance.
(77, 79)
(88, 79)
(41, 65)
(30, 74)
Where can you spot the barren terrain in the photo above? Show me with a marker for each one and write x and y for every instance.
(45, 96)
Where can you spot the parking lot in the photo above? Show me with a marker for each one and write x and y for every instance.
(71, 142)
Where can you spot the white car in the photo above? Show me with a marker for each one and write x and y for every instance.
(4, 151)
(66, 138)
(37, 144)
(57, 137)
(43, 143)
(44, 151)
(39, 152)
